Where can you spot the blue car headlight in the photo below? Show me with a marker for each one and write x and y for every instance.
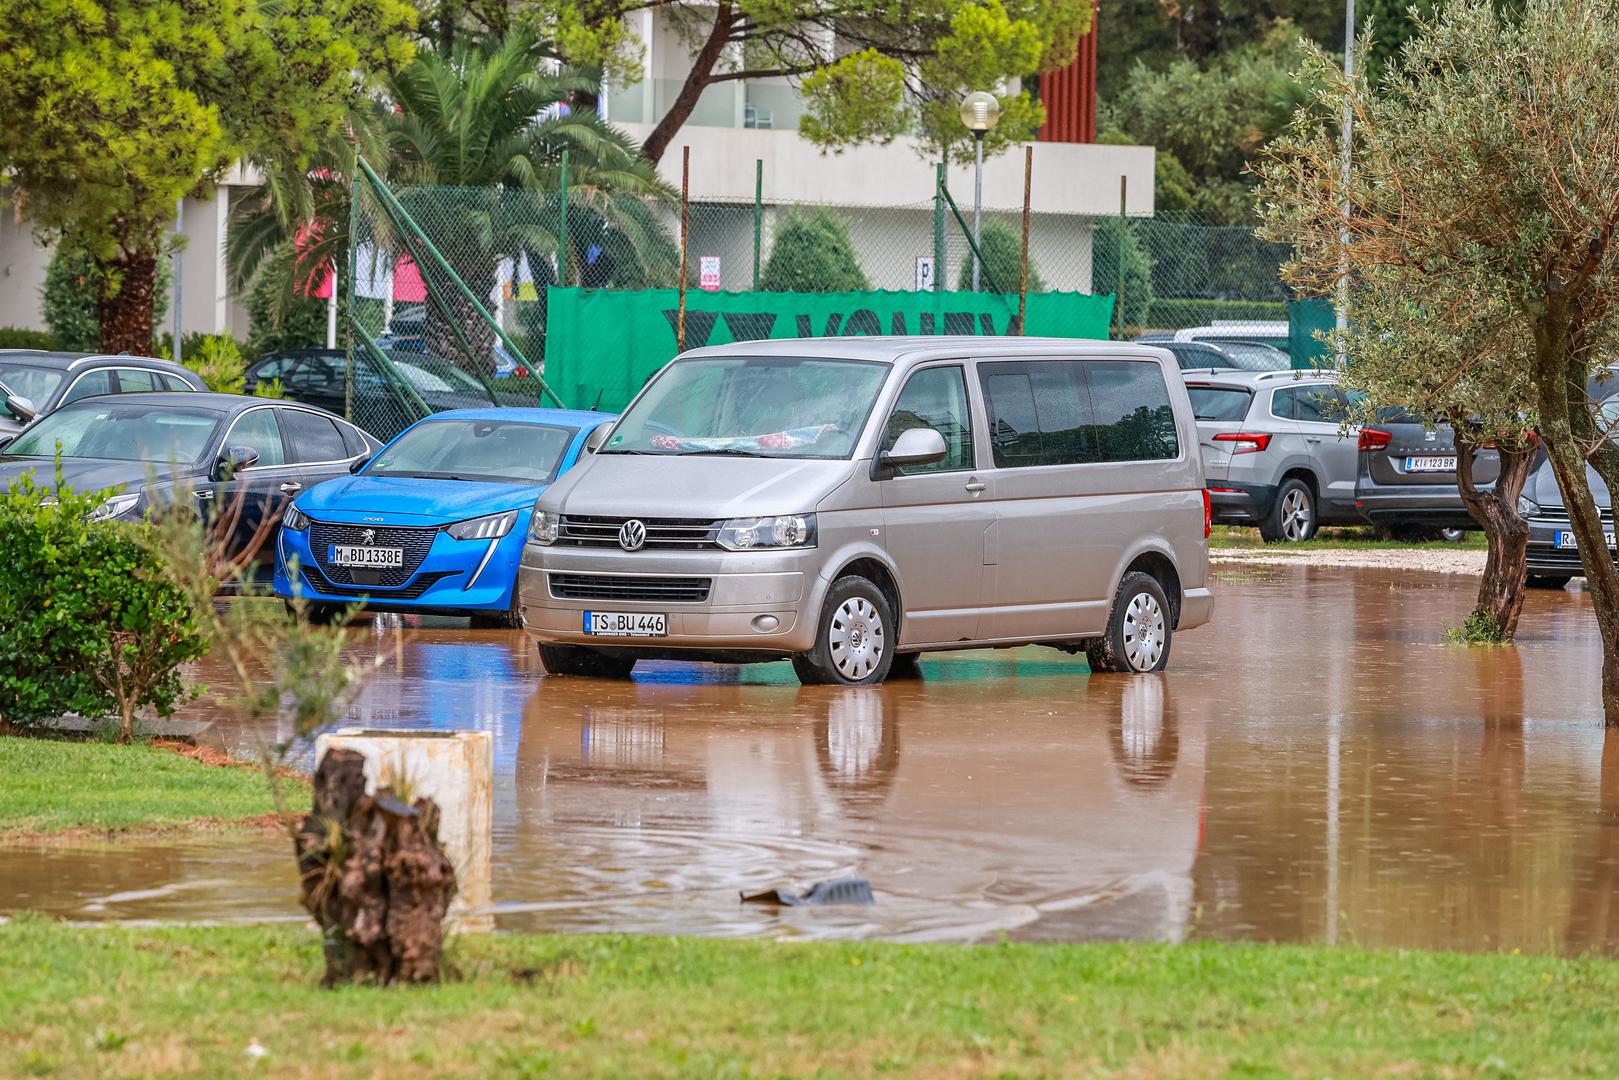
(492, 527)
(294, 519)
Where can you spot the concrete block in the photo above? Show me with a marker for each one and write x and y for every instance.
(456, 770)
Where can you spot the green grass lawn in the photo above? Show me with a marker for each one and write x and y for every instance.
(50, 785)
(190, 1001)
(1353, 537)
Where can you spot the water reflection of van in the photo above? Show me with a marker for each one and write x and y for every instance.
(850, 503)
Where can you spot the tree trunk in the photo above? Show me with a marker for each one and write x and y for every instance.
(585, 99)
(372, 874)
(702, 66)
(1500, 590)
(126, 315)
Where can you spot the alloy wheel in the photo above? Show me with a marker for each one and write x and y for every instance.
(855, 638)
(1143, 632)
(1296, 514)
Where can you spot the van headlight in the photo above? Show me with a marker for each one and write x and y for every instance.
(492, 527)
(117, 506)
(294, 519)
(545, 527)
(788, 531)
(1527, 507)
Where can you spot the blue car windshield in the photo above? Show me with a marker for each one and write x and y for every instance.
(490, 451)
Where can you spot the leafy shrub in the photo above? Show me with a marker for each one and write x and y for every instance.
(15, 337)
(70, 298)
(1105, 253)
(217, 360)
(1479, 628)
(91, 621)
(812, 253)
(1002, 247)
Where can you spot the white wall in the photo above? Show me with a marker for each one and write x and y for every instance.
(22, 273)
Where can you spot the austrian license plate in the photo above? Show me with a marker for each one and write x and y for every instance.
(626, 624)
(373, 558)
(1566, 539)
(1430, 464)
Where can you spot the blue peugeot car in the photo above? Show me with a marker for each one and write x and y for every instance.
(435, 521)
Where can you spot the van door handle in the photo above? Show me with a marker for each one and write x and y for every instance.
(975, 486)
(291, 487)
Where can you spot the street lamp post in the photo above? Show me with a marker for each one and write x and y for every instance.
(979, 112)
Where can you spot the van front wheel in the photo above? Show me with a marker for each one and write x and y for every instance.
(854, 643)
(1137, 638)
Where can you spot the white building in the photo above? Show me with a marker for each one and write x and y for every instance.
(885, 193)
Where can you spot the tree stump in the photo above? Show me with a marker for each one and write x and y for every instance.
(372, 874)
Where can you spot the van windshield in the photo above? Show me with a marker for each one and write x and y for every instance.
(752, 406)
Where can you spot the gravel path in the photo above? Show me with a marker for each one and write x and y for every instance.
(1432, 560)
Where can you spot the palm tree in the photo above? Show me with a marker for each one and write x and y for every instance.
(471, 141)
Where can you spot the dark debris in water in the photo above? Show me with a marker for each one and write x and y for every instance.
(836, 891)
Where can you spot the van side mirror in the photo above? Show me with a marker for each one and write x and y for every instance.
(915, 446)
(597, 439)
(22, 408)
(233, 460)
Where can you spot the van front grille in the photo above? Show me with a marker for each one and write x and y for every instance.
(650, 590)
(666, 533)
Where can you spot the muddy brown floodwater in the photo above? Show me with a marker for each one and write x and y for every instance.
(1318, 765)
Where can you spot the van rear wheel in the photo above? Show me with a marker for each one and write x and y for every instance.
(854, 643)
(1138, 629)
(577, 660)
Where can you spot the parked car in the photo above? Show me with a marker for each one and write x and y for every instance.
(34, 383)
(233, 455)
(386, 405)
(1226, 355)
(1268, 332)
(1554, 554)
(1275, 450)
(435, 522)
(1406, 482)
(849, 503)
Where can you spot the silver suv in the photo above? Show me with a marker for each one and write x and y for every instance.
(1275, 453)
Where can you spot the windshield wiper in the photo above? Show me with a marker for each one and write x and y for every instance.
(653, 453)
(732, 450)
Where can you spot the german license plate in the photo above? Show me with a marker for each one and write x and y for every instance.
(1566, 540)
(1430, 464)
(374, 558)
(626, 624)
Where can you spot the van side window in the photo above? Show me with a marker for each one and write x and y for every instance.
(935, 398)
(1133, 420)
(1014, 426)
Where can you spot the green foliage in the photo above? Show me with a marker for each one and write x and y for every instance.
(90, 621)
(1002, 248)
(116, 108)
(812, 253)
(217, 359)
(279, 317)
(1479, 628)
(15, 337)
(1106, 241)
(68, 299)
(1212, 121)
(858, 98)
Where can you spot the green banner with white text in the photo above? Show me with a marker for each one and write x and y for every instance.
(601, 345)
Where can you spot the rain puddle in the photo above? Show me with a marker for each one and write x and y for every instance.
(1316, 766)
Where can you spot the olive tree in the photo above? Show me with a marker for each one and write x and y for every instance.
(1476, 232)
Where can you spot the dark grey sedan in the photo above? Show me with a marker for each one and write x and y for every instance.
(221, 450)
(1406, 481)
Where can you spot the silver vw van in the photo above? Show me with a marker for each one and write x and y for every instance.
(849, 503)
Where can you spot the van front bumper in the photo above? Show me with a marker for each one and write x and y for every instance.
(760, 601)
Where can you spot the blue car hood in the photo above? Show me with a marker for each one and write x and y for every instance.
(400, 496)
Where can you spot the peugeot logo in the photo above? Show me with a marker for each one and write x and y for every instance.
(632, 535)
(369, 536)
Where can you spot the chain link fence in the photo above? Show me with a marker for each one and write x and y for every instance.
(448, 298)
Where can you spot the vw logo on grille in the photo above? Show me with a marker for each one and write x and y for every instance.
(369, 536)
(632, 535)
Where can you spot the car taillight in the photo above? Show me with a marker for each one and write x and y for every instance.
(1372, 439)
(1208, 515)
(1246, 444)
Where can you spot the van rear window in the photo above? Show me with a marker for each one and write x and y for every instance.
(1219, 402)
